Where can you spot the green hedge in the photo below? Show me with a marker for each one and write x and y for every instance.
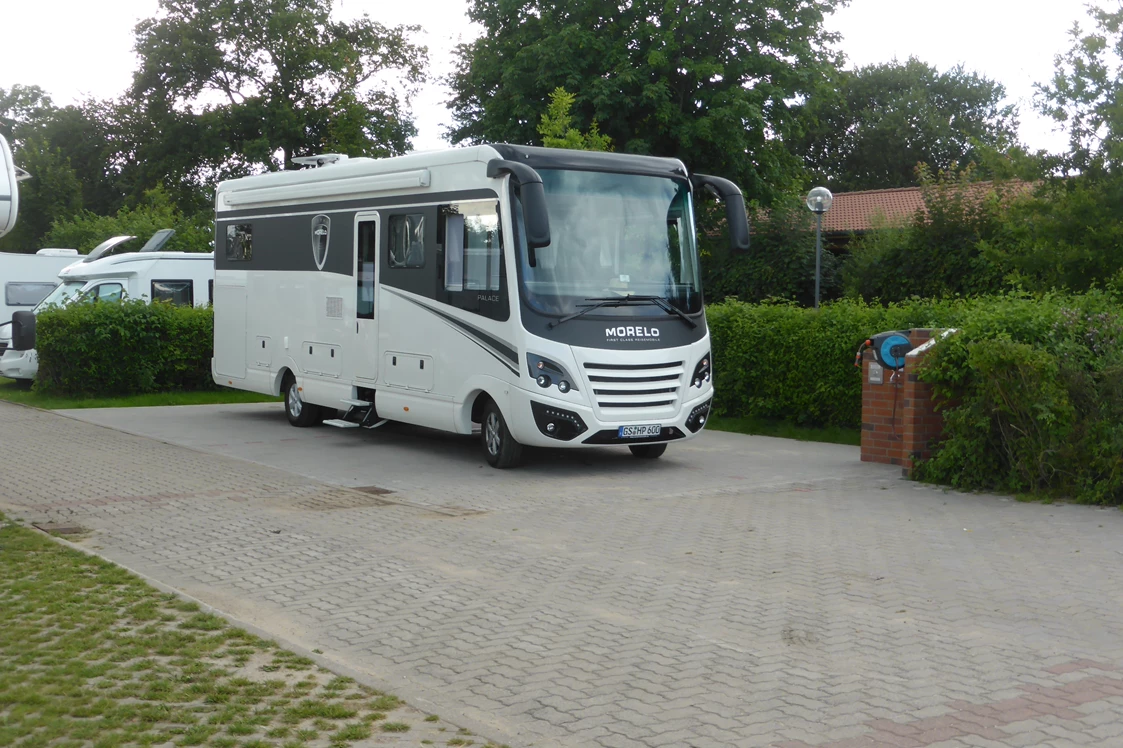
(123, 349)
(1037, 382)
(789, 362)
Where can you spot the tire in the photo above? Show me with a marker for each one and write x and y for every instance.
(300, 413)
(500, 448)
(648, 451)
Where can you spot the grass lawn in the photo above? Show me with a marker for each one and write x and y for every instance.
(14, 392)
(92, 656)
(786, 430)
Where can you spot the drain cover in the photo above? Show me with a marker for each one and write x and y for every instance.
(373, 490)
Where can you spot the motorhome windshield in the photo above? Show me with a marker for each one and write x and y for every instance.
(613, 235)
(62, 294)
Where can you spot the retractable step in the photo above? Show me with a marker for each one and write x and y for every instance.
(357, 403)
(339, 423)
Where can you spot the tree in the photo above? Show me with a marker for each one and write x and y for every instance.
(21, 108)
(155, 211)
(1086, 93)
(234, 86)
(53, 192)
(870, 127)
(556, 131)
(709, 82)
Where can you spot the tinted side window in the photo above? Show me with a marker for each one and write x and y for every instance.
(26, 294)
(179, 292)
(239, 242)
(407, 241)
(472, 253)
(108, 292)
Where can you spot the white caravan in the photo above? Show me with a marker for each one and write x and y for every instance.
(553, 297)
(178, 277)
(25, 279)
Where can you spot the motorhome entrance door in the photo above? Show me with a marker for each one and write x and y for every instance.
(366, 296)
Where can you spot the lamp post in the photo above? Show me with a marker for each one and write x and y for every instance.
(819, 202)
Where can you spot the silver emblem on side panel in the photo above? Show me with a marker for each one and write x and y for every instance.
(321, 230)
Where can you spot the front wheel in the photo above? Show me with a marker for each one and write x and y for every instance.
(648, 451)
(300, 413)
(500, 447)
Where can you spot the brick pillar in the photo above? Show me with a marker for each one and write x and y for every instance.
(899, 421)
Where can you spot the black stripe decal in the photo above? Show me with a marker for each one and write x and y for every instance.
(476, 335)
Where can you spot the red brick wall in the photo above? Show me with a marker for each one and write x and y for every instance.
(899, 420)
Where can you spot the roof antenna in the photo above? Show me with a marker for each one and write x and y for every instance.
(323, 159)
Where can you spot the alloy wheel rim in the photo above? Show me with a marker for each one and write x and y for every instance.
(492, 433)
(295, 405)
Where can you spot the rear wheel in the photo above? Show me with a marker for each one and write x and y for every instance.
(500, 447)
(299, 412)
(648, 451)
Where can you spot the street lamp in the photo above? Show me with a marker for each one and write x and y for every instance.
(819, 202)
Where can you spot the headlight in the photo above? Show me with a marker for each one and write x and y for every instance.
(549, 374)
(702, 372)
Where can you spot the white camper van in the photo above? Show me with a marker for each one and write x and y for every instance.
(553, 297)
(25, 279)
(179, 277)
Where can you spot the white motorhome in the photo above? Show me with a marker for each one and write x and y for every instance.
(553, 297)
(178, 277)
(25, 279)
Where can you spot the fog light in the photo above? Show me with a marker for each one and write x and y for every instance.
(543, 380)
(563, 386)
(557, 423)
(697, 418)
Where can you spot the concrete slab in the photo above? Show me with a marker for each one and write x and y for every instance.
(739, 592)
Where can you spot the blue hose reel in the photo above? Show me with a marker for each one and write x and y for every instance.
(889, 349)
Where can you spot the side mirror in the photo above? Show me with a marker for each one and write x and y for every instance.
(23, 331)
(9, 192)
(535, 217)
(734, 207)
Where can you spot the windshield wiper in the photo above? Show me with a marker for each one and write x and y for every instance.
(667, 307)
(597, 304)
(632, 300)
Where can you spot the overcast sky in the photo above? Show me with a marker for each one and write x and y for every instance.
(76, 49)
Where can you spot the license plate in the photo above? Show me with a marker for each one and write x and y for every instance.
(635, 432)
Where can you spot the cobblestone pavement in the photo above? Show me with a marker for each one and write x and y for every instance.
(742, 591)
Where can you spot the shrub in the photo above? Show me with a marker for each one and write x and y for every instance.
(1038, 387)
(780, 262)
(126, 348)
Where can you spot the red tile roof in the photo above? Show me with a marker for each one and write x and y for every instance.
(862, 211)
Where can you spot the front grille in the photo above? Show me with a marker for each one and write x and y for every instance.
(635, 385)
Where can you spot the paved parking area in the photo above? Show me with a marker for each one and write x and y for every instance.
(742, 591)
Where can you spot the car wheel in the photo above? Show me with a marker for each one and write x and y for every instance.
(500, 447)
(300, 413)
(648, 451)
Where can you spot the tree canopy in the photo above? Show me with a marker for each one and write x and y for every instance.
(869, 128)
(709, 82)
(1085, 95)
(252, 83)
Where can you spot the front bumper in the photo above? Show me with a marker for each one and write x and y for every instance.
(19, 364)
(576, 425)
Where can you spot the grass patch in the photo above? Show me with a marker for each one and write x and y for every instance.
(91, 656)
(13, 392)
(787, 430)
